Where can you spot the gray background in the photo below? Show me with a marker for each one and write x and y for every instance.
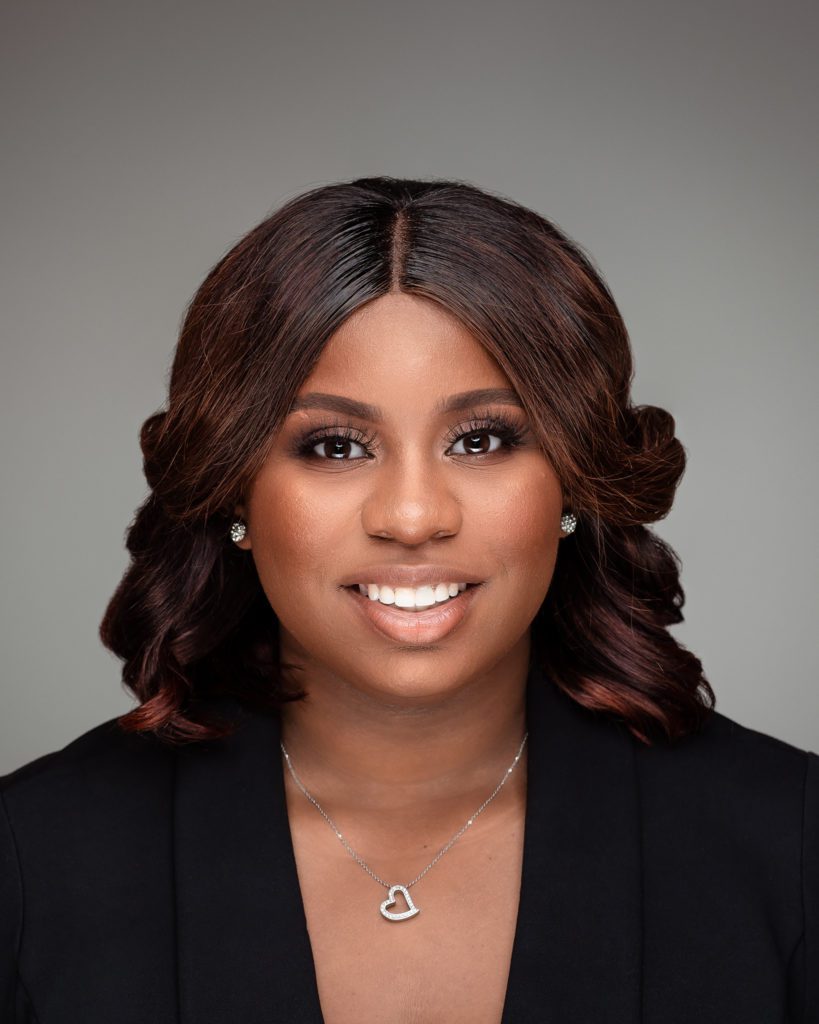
(675, 142)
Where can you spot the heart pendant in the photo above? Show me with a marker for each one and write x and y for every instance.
(390, 901)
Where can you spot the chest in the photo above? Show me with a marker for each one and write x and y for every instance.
(449, 962)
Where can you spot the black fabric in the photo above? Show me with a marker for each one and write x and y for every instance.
(661, 885)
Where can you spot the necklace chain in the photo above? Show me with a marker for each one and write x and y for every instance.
(440, 853)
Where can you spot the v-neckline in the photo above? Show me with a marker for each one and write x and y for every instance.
(243, 948)
(295, 881)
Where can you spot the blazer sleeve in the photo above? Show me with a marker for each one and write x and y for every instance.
(803, 972)
(15, 1007)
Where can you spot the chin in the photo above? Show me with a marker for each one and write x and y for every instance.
(417, 674)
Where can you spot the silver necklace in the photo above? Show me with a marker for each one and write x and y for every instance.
(412, 909)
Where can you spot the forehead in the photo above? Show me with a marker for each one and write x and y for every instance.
(403, 347)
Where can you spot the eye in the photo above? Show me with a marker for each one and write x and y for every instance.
(485, 435)
(336, 442)
(338, 448)
(478, 443)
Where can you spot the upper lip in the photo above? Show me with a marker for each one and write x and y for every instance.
(410, 575)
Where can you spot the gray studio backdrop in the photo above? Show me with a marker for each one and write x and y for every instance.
(675, 142)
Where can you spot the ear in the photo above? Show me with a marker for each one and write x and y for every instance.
(244, 543)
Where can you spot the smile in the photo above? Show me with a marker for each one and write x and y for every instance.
(422, 624)
(412, 598)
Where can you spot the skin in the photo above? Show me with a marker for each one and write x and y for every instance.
(402, 741)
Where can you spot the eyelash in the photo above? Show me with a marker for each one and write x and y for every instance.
(509, 433)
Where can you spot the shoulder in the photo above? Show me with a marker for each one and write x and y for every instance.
(726, 746)
(730, 777)
(729, 759)
(104, 794)
(86, 835)
(103, 763)
(730, 840)
(86, 819)
(104, 782)
(737, 809)
(105, 768)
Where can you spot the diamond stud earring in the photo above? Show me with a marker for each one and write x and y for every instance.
(238, 529)
(568, 522)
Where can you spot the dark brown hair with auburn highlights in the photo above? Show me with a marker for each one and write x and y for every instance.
(190, 619)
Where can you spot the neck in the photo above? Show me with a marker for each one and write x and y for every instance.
(367, 754)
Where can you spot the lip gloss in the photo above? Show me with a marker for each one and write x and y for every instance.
(420, 627)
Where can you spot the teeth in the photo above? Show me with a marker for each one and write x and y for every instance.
(411, 597)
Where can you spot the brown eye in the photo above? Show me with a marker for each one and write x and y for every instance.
(338, 448)
(478, 443)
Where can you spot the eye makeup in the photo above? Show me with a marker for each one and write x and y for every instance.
(510, 434)
(344, 433)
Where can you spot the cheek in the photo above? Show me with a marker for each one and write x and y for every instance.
(522, 518)
(298, 531)
(521, 528)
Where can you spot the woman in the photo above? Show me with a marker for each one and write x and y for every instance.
(413, 741)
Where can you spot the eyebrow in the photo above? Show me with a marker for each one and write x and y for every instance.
(365, 411)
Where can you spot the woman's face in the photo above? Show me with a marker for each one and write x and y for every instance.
(390, 473)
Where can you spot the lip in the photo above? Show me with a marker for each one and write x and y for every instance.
(424, 627)
(410, 575)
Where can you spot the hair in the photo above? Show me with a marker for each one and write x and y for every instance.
(189, 618)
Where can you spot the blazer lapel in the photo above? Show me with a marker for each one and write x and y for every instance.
(578, 944)
(243, 948)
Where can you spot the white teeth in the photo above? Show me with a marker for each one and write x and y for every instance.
(411, 597)
(424, 597)
(404, 597)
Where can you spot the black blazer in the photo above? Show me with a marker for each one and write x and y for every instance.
(663, 885)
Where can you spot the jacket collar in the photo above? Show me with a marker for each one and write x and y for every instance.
(242, 943)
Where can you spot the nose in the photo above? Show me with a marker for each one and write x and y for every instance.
(412, 502)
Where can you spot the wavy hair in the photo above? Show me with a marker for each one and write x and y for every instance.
(189, 618)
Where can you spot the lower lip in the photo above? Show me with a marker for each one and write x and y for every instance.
(425, 627)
